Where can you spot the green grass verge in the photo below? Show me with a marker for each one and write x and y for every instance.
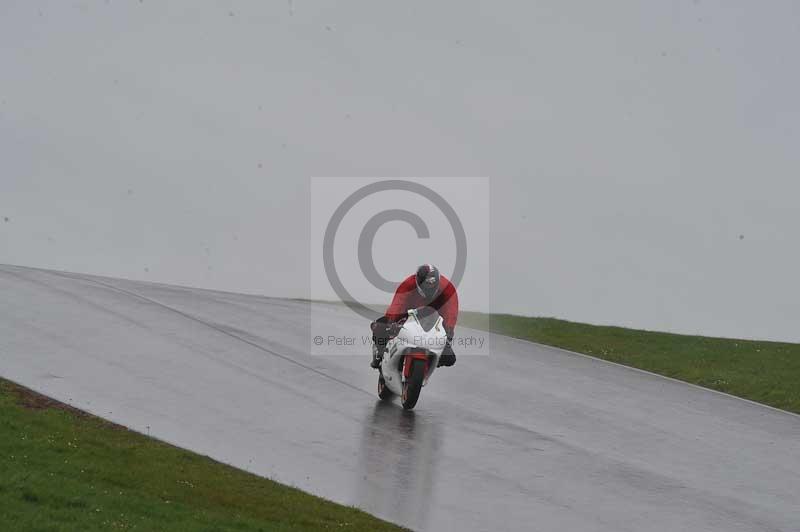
(62, 470)
(767, 372)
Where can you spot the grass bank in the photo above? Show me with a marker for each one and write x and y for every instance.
(61, 469)
(767, 372)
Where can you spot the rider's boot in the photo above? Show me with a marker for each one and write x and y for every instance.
(377, 356)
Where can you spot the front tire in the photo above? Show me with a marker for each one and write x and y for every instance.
(413, 385)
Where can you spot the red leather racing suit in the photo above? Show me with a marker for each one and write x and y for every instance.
(407, 297)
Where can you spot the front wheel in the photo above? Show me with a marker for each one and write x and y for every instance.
(413, 384)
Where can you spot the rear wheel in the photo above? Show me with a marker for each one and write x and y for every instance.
(413, 384)
(383, 391)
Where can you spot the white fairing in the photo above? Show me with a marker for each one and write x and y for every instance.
(412, 337)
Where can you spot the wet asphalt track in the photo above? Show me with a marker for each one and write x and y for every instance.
(529, 438)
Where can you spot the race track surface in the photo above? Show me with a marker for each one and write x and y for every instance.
(528, 438)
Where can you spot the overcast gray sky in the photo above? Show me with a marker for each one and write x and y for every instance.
(643, 156)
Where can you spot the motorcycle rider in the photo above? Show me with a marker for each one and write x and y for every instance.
(425, 288)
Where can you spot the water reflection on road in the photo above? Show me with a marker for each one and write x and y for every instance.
(398, 452)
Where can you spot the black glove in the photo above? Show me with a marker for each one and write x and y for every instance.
(384, 330)
(448, 357)
(393, 328)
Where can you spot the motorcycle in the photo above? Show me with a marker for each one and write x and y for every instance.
(412, 356)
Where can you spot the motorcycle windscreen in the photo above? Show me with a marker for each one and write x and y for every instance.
(427, 318)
